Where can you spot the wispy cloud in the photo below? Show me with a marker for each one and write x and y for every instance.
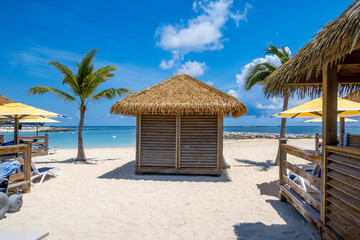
(34, 61)
(202, 33)
(233, 93)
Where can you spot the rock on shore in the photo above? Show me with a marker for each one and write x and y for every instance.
(254, 135)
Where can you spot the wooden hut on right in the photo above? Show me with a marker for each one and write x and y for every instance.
(329, 65)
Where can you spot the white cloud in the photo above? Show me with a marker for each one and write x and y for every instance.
(233, 93)
(240, 78)
(276, 103)
(237, 16)
(194, 68)
(167, 64)
(201, 33)
(210, 83)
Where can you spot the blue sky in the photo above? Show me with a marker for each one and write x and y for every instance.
(150, 41)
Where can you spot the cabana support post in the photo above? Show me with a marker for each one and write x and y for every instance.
(329, 126)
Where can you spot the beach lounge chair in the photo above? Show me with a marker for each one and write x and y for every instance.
(315, 170)
(41, 173)
(305, 184)
(6, 169)
(14, 202)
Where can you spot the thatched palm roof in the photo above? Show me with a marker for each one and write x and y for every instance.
(354, 96)
(338, 38)
(5, 100)
(180, 94)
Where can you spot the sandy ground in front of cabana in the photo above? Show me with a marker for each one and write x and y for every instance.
(106, 200)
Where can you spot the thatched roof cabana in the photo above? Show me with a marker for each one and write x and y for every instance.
(337, 42)
(354, 96)
(329, 66)
(5, 100)
(180, 94)
(179, 126)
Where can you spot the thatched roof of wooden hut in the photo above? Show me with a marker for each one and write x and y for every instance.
(337, 39)
(354, 96)
(180, 94)
(5, 100)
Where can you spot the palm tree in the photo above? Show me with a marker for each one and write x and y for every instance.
(83, 85)
(259, 73)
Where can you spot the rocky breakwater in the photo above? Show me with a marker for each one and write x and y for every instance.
(255, 135)
(56, 129)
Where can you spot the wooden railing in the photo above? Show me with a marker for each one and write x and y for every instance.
(335, 209)
(341, 191)
(40, 144)
(305, 200)
(19, 180)
(285, 181)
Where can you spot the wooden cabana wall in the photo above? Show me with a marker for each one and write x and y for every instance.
(184, 144)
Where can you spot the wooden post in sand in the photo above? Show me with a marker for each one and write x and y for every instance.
(282, 169)
(27, 164)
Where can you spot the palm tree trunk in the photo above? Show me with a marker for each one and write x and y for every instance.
(283, 126)
(81, 153)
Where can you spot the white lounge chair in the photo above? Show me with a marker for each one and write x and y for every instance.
(42, 173)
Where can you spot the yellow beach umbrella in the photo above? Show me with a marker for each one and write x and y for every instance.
(319, 119)
(37, 120)
(17, 111)
(313, 108)
(12, 110)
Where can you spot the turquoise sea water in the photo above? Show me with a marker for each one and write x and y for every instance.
(120, 136)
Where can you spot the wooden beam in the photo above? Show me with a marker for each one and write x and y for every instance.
(27, 165)
(342, 129)
(16, 130)
(299, 190)
(349, 68)
(309, 155)
(329, 127)
(282, 159)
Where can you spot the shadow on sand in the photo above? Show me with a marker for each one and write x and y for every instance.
(92, 161)
(295, 226)
(265, 166)
(127, 172)
(269, 188)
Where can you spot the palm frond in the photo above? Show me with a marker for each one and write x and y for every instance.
(281, 53)
(85, 67)
(109, 94)
(69, 77)
(93, 81)
(58, 93)
(258, 74)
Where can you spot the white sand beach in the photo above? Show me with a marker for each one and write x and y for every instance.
(106, 200)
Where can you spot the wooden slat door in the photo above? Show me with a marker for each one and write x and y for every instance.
(343, 192)
(198, 141)
(157, 141)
